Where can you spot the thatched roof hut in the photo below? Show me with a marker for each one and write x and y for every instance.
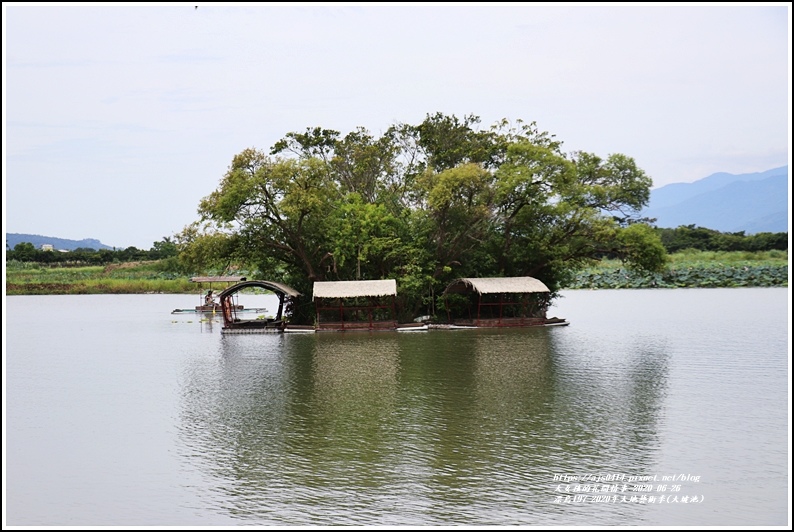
(344, 305)
(498, 302)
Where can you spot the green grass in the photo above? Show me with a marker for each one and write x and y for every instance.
(136, 278)
(695, 258)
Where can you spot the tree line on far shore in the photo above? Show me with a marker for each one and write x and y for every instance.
(685, 237)
(26, 252)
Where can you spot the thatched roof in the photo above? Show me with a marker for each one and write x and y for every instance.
(227, 279)
(386, 287)
(497, 285)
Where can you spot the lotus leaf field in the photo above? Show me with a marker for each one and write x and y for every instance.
(693, 270)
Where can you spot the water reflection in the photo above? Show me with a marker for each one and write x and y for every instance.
(417, 428)
(617, 391)
(140, 418)
(354, 378)
(211, 322)
(234, 411)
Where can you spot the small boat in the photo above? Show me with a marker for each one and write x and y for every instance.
(211, 309)
(209, 303)
(555, 322)
(216, 307)
(411, 327)
(233, 323)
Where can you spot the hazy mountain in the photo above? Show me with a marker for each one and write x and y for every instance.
(729, 203)
(12, 239)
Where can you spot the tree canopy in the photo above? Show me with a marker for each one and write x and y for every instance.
(423, 204)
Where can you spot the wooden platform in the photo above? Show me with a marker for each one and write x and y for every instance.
(508, 322)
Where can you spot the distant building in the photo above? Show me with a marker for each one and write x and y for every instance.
(47, 247)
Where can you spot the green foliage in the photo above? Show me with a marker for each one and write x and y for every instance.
(422, 204)
(615, 185)
(450, 142)
(360, 233)
(24, 251)
(701, 238)
(164, 249)
(641, 248)
(204, 251)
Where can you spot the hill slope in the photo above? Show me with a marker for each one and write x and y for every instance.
(752, 203)
(12, 239)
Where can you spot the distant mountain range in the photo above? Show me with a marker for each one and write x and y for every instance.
(12, 239)
(729, 203)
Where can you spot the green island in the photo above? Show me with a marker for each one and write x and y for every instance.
(424, 205)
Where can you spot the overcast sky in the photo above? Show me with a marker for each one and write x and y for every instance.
(119, 118)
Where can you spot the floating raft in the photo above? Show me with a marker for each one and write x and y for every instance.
(217, 309)
(272, 330)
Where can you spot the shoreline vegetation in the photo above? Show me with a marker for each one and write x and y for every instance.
(693, 269)
(685, 269)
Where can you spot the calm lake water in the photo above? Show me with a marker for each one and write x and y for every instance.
(654, 407)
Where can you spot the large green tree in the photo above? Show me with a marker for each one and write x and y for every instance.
(423, 204)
